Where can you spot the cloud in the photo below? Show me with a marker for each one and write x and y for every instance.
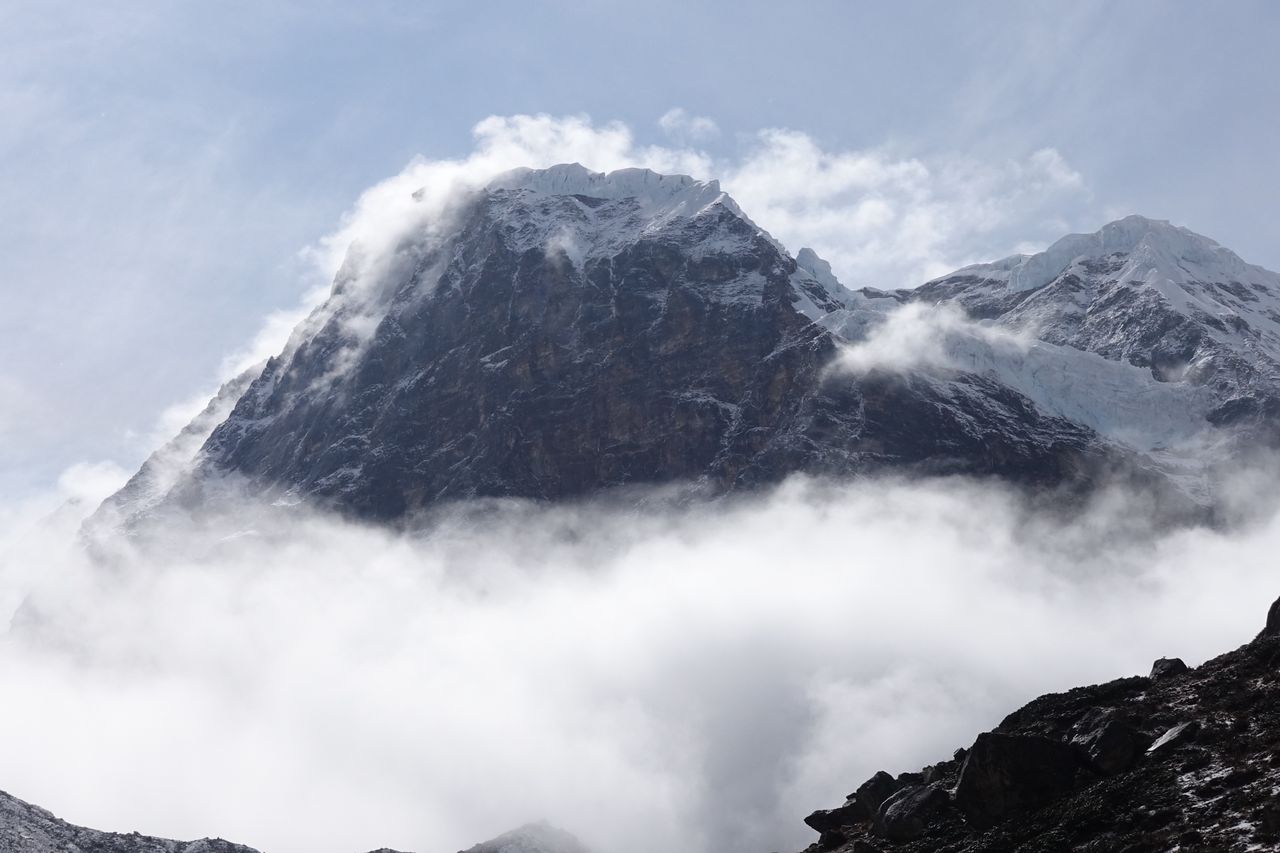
(91, 482)
(692, 680)
(680, 125)
(892, 221)
(920, 336)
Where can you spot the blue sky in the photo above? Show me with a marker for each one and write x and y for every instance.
(162, 165)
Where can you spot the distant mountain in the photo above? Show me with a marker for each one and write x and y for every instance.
(25, 828)
(532, 838)
(563, 332)
(1149, 294)
(1183, 759)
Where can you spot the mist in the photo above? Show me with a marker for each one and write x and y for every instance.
(647, 676)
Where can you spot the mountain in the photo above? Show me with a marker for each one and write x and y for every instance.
(532, 838)
(1146, 293)
(25, 828)
(1183, 759)
(561, 332)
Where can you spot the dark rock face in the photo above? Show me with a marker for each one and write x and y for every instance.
(904, 815)
(1073, 771)
(1167, 668)
(1006, 774)
(25, 828)
(497, 364)
(1111, 744)
(872, 793)
(1273, 620)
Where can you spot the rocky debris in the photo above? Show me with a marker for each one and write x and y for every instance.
(1167, 668)
(1138, 765)
(25, 828)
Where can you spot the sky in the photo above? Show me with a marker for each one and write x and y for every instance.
(163, 166)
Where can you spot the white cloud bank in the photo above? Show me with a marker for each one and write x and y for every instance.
(692, 681)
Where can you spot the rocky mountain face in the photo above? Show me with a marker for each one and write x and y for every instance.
(566, 332)
(1183, 759)
(25, 828)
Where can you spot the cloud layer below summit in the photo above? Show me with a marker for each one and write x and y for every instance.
(692, 681)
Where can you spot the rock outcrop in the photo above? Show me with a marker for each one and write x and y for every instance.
(1187, 762)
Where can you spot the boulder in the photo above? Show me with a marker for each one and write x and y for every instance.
(1174, 738)
(1004, 774)
(903, 816)
(1112, 745)
(1168, 668)
(873, 792)
(1269, 818)
(830, 820)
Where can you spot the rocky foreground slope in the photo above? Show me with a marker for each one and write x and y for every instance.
(1182, 760)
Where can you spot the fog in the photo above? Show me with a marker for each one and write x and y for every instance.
(646, 675)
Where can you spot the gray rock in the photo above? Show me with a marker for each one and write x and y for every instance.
(1004, 774)
(872, 793)
(829, 820)
(1111, 744)
(905, 815)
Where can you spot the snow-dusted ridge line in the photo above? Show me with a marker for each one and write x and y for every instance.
(645, 185)
(1159, 246)
(660, 198)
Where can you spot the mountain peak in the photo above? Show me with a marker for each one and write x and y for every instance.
(1156, 249)
(677, 193)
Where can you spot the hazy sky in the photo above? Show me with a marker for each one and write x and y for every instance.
(163, 164)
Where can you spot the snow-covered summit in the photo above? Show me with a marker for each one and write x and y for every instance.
(659, 197)
(1154, 249)
(676, 193)
(1143, 291)
(583, 214)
